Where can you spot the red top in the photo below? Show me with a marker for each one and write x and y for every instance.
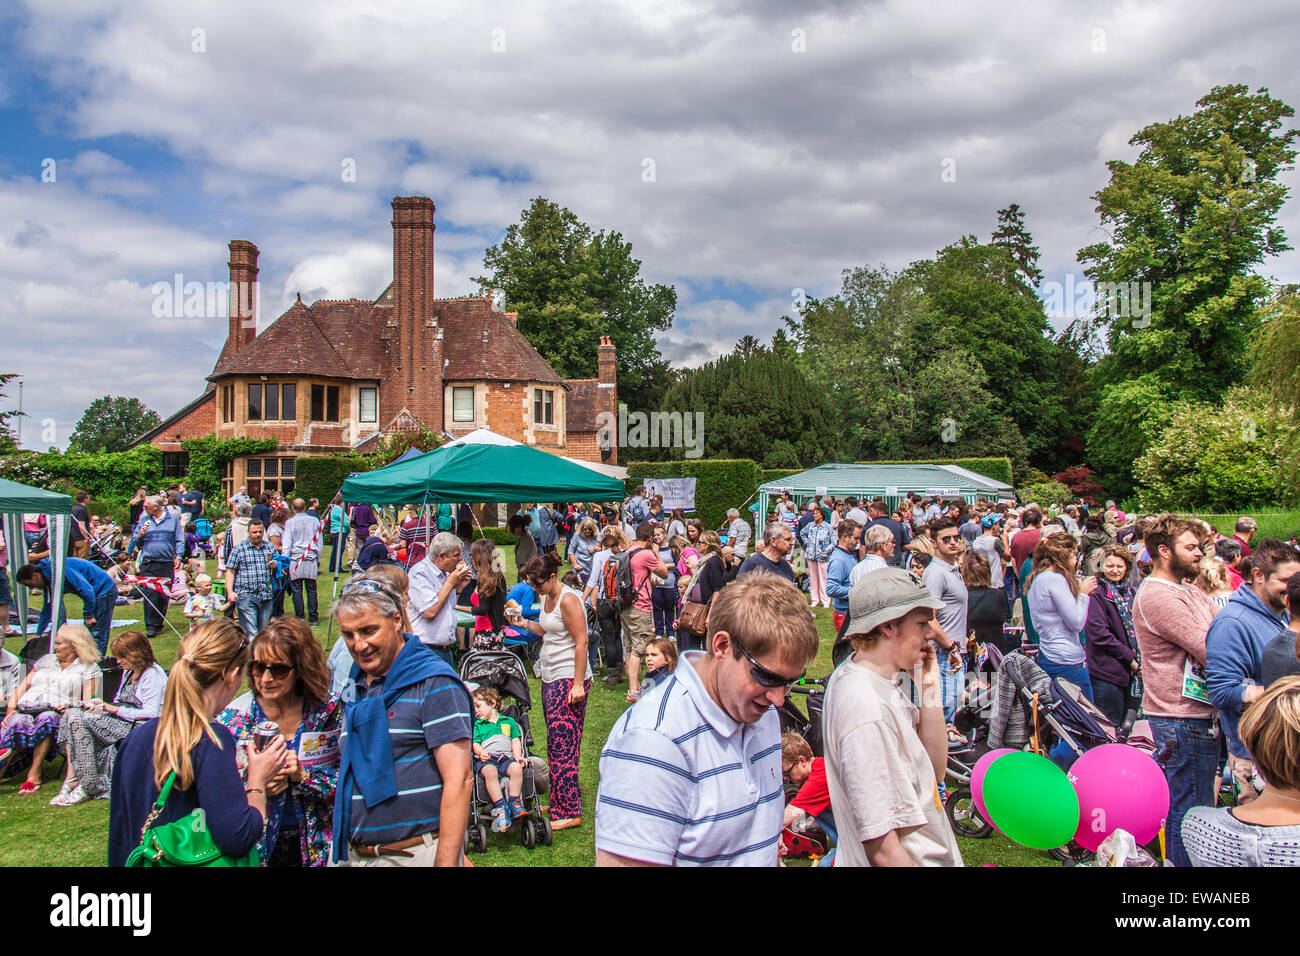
(1023, 544)
(1245, 548)
(814, 796)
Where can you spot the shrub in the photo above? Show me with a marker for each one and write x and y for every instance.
(208, 453)
(1046, 493)
(322, 477)
(720, 483)
(1079, 480)
(996, 468)
(111, 475)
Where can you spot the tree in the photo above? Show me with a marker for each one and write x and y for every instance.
(1275, 352)
(751, 404)
(570, 286)
(1188, 222)
(111, 423)
(1012, 235)
(8, 444)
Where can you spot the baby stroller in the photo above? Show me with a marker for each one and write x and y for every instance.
(974, 721)
(505, 673)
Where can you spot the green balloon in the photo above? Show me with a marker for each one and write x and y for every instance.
(1031, 800)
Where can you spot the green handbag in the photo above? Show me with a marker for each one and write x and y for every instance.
(184, 842)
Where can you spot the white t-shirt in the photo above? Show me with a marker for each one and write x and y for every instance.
(682, 784)
(864, 567)
(879, 773)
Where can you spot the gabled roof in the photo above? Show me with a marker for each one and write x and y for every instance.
(346, 338)
(166, 423)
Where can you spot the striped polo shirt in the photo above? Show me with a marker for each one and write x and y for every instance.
(683, 784)
(434, 712)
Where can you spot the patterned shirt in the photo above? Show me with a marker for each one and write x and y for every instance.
(434, 712)
(683, 784)
(254, 575)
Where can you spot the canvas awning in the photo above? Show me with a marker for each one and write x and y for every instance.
(888, 482)
(17, 499)
(490, 469)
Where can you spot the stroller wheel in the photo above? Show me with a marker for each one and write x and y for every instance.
(1072, 854)
(529, 834)
(963, 816)
(545, 835)
(480, 838)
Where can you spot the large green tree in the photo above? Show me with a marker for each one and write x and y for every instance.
(754, 405)
(111, 423)
(571, 285)
(1012, 235)
(1276, 371)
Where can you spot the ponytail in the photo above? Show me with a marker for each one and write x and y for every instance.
(206, 653)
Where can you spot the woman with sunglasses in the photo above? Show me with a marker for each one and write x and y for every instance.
(291, 688)
(562, 669)
(184, 742)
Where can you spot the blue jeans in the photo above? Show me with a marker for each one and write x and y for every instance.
(664, 605)
(1076, 674)
(1187, 748)
(254, 613)
(104, 605)
(952, 682)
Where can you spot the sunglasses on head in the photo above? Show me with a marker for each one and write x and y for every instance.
(765, 677)
(278, 671)
(372, 587)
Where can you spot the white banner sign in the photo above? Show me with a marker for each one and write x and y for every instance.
(943, 492)
(677, 492)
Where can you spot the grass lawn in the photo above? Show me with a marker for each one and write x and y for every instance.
(1280, 524)
(36, 834)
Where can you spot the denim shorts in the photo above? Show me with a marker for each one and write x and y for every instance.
(6, 598)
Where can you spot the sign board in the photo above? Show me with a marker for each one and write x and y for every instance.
(943, 492)
(891, 491)
(821, 491)
(677, 492)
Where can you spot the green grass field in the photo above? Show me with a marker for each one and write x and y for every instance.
(40, 835)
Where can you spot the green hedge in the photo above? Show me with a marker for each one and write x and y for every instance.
(323, 477)
(208, 453)
(720, 484)
(109, 475)
(998, 468)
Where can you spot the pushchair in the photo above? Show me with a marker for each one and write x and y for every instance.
(505, 673)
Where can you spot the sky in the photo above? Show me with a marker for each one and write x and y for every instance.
(747, 150)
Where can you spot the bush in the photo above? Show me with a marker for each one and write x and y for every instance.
(781, 454)
(1079, 480)
(322, 477)
(1046, 493)
(208, 453)
(1224, 457)
(772, 474)
(720, 484)
(111, 475)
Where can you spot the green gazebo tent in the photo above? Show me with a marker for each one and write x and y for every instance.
(17, 499)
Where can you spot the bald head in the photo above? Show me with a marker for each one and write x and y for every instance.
(299, 506)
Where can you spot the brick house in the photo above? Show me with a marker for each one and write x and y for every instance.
(337, 375)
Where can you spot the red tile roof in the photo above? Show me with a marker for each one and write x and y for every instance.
(346, 339)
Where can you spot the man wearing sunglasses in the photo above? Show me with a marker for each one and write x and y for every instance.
(885, 757)
(691, 774)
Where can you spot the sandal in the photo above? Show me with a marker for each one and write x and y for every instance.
(955, 736)
(28, 788)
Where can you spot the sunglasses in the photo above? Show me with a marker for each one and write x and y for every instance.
(372, 587)
(765, 677)
(278, 671)
(947, 538)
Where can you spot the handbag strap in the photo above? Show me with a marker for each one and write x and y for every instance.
(158, 805)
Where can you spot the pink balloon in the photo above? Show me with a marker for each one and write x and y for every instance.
(1119, 787)
(977, 781)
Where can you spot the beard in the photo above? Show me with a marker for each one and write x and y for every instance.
(1184, 570)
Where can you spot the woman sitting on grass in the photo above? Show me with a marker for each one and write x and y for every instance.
(67, 678)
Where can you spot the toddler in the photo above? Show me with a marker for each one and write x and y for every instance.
(201, 604)
(660, 662)
(498, 751)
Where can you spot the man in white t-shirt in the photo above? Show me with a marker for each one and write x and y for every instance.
(885, 758)
(691, 773)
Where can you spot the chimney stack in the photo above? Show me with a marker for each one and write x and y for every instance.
(243, 295)
(413, 378)
(607, 390)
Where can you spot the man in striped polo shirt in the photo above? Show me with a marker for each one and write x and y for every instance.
(691, 774)
(405, 770)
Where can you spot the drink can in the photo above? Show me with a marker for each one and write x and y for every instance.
(263, 734)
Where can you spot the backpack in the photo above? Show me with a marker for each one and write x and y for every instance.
(638, 512)
(625, 593)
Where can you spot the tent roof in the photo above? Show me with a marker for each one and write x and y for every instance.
(482, 472)
(875, 479)
(16, 498)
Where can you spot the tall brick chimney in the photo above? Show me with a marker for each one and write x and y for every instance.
(413, 365)
(607, 390)
(243, 295)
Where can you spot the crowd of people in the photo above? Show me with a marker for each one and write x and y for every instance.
(373, 750)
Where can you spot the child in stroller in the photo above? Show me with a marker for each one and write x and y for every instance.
(498, 752)
(503, 672)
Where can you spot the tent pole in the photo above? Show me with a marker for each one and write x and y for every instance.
(338, 569)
